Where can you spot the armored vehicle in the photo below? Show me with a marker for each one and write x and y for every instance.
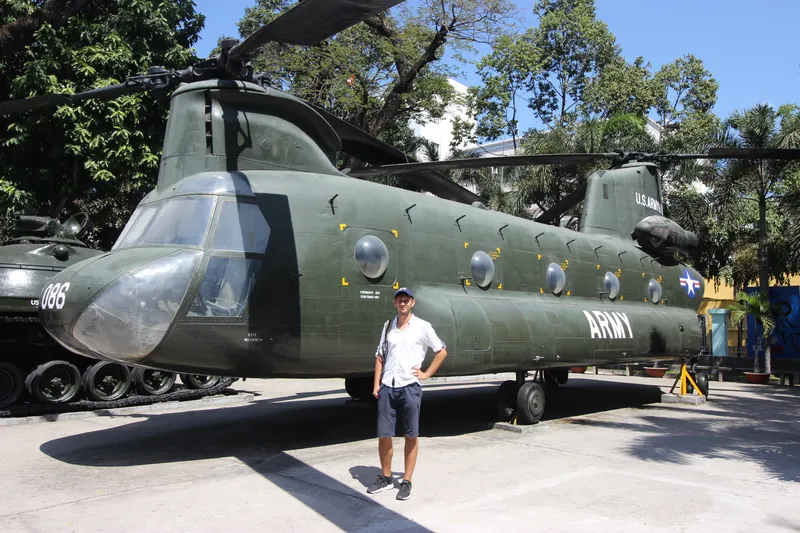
(34, 368)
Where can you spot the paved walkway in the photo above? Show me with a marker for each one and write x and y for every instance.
(298, 456)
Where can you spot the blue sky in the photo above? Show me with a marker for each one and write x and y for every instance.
(749, 47)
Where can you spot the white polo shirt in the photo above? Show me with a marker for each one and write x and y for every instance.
(406, 350)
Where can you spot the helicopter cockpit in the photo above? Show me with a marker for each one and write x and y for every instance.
(205, 239)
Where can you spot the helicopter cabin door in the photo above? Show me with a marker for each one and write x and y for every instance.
(371, 262)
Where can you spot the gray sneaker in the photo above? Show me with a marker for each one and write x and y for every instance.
(405, 490)
(381, 484)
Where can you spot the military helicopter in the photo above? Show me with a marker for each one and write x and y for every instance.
(255, 256)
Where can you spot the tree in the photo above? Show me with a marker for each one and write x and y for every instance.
(388, 68)
(764, 313)
(98, 156)
(763, 183)
(573, 47)
(19, 31)
(683, 88)
(621, 88)
(505, 74)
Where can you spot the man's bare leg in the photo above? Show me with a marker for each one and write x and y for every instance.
(411, 457)
(385, 452)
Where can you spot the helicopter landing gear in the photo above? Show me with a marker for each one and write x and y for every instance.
(105, 381)
(691, 382)
(359, 388)
(11, 384)
(520, 401)
(152, 382)
(54, 382)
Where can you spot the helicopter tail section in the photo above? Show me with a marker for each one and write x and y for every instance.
(617, 200)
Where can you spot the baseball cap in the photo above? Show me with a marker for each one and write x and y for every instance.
(404, 290)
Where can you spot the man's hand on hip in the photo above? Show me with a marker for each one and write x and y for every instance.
(419, 374)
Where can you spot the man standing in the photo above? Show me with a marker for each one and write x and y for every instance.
(401, 350)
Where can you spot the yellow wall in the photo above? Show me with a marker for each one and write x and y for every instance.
(725, 291)
(721, 297)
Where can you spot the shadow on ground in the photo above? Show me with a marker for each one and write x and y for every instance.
(764, 429)
(260, 434)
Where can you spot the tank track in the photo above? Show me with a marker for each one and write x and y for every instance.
(180, 395)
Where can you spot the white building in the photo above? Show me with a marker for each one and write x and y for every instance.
(440, 131)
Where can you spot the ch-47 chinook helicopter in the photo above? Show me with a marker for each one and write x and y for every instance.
(255, 257)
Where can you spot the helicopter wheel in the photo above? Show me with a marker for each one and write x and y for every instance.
(359, 388)
(530, 403)
(152, 382)
(701, 378)
(199, 381)
(106, 381)
(54, 382)
(561, 375)
(506, 398)
(11, 384)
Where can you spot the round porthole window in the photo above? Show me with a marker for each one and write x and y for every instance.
(482, 269)
(611, 285)
(654, 290)
(556, 278)
(371, 256)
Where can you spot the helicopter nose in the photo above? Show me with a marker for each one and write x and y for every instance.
(118, 306)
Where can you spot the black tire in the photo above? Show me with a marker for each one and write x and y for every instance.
(54, 382)
(561, 375)
(506, 400)
(152, 382)
(105, 381)
(701, 378)
(354, 388)
(530, 403)
(199, 381)
(12, 384)
(549, 379)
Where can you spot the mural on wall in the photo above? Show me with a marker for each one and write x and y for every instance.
(786, 337)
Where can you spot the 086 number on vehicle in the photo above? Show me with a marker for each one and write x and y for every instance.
(54, 296)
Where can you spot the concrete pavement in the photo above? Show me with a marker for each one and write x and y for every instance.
(608, 457)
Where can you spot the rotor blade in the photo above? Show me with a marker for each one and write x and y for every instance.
(374, 151)
(310, 22)
(102, 93)
(36, 102)
(753, 153)
(561, 207)
(483, 162)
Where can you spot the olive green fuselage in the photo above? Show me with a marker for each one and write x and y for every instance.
(313, 314)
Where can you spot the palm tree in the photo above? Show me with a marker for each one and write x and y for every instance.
(764, 312)
(763, 182)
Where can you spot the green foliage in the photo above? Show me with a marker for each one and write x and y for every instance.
(621, 88)
(757, 305)
(684, 87)
(98, 156)
(764, 312)
(573, 48)
(764, 187)
(387, 69)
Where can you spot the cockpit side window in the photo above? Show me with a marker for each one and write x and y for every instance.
(181, 221)
(241, 228)
(226, 287)
(237, 251)
(135, 227)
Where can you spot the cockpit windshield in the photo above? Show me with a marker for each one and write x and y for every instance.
(179, 221)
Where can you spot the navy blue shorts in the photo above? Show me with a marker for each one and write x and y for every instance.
(403, 401)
